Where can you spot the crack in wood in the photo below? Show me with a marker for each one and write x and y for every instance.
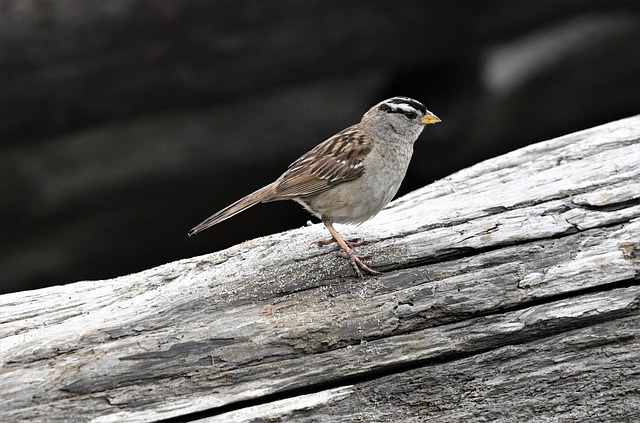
(616, 206)
(531, 334)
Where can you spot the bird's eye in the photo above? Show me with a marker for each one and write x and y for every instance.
(410, 115)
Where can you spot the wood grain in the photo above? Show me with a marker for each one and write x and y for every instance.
(510, 293)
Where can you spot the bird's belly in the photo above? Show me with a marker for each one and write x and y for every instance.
(355, 201)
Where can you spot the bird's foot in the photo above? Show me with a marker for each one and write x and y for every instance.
(347, 252)
(355, 242)
(356, 263)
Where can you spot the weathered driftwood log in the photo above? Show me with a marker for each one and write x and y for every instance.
(510, 294)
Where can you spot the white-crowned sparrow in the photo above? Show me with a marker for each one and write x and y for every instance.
(349, 177)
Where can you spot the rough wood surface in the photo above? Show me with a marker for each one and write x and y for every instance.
(510, 294)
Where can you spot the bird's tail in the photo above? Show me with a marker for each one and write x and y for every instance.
(239, 206)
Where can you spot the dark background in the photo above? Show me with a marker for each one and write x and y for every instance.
(124, 123)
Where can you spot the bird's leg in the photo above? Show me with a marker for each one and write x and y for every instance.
(349, 254)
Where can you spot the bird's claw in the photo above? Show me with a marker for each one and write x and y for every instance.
(357, 263)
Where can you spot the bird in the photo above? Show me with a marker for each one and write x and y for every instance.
(349, 177)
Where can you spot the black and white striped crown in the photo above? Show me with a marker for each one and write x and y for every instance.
(403, 105)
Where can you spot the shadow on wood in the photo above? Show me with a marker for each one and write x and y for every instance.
(510, 292)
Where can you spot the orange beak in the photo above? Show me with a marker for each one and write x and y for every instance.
(430, 118)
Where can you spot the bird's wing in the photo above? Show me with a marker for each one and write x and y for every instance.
(336, 160)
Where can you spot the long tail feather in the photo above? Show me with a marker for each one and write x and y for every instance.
(233, 209)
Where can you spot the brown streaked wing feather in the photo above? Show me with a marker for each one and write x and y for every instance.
(336, 160)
